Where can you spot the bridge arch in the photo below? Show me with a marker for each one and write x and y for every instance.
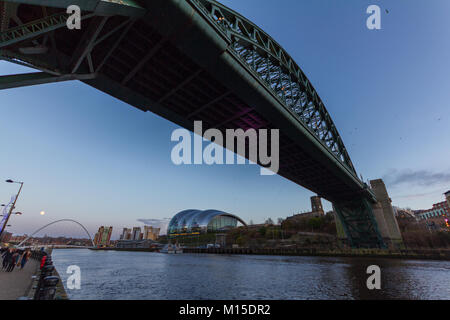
(188, 60)
(279, 73)
(54, 222)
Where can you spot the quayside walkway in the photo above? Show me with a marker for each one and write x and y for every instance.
(17, 283)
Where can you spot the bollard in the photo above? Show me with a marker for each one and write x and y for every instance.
(49, 288)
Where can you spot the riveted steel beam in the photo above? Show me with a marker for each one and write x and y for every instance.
(360, 226)
(128, 8)
(35, 28)
(267, 59)
(86, 43)
(144, 60)
(35, 78)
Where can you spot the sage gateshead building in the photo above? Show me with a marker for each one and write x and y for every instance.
(197, 222)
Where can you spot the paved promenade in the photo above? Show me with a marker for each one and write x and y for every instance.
(16, 284)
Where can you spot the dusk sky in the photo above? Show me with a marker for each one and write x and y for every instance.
(87, 156)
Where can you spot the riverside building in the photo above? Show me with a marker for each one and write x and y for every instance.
(201, 227)
(438, 213)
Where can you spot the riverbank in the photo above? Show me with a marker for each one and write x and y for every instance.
(60, 293)
(420, 254)
(126, 249)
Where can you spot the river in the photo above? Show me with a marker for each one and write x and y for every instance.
(115, 275)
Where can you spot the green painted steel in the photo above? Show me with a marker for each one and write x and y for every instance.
(265, 68)
(36, 78)
(35, 28)
(129, 8)
(85, 5)
(279, 72)
(358, 220)
(130, 3)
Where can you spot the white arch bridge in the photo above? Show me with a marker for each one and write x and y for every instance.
(54, 222)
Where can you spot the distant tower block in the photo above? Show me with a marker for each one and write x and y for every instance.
(384, 215)
(447, 196)
(316, 206)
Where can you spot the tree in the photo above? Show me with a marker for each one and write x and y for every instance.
(250, 223)
(280, 221)
(315, 223)
(240, 241)
(269, 221)
(262, 231)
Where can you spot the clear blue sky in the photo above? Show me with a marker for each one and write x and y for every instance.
(85, 155)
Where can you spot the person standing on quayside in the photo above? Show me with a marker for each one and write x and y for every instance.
(26, 255)
(7, 256)
(12, 262)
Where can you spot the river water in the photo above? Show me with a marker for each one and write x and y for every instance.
(140, 275)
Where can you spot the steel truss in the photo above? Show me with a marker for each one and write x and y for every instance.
(271, 63)
(280, 74)
(259, 53)
(359, 224)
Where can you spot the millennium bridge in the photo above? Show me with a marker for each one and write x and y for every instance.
(195, 60)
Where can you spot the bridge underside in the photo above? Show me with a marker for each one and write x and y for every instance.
(164, 56)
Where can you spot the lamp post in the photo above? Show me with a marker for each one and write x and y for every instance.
(13, 205)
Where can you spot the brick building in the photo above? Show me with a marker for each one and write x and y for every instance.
(437, 214)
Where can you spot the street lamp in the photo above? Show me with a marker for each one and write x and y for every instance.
(12, 206)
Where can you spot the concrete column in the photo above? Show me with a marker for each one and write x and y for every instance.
(381, 222)
(388, 226)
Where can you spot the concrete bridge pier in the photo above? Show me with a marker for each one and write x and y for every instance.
(385, 217)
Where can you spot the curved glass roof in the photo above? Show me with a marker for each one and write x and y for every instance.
(188, 220)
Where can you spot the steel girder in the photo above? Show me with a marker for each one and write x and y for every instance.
(279, 72)
(50, 63)
(258, 50)
(359, 224)
(35, 78)
(35, 28)
(263, 58)
(129, 8)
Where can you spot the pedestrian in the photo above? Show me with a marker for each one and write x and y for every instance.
(19, 257)
(7, 257)
(26, 255)
(13, 260)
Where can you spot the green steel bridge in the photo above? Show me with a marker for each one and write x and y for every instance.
(188, 60)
